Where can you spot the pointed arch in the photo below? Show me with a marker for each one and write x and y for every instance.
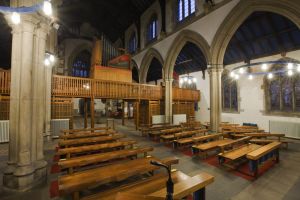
(151, 53)
(288, 9)
(135, 69)
(179, 42)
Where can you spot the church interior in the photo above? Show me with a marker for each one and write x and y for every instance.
(150, 99)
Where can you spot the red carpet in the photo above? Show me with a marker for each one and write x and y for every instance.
(54, 189)
(243, 170)
(55, 169)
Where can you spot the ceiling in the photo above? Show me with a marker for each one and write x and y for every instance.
(262, 34)
(111, 17)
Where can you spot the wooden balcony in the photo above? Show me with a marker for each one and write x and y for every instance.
(66, 86)
(4, 82)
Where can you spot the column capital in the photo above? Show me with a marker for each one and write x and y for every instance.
(169, 80)
(215, 68)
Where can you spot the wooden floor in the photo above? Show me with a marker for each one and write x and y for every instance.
(280, 182)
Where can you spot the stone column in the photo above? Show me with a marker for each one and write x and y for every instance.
(168, 100)
(26, 165)
(215, 74)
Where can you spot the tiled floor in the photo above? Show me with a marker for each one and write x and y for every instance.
(280, 182)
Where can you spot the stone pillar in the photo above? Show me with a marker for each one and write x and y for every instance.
(168, 100)
(215, 74)
(26, 164)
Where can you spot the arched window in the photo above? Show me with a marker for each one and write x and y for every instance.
(185, 8)
(229, 94)
(282, 92)
(152, 29)
(132, 43)
(81, 64)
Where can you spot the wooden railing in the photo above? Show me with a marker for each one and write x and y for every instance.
(65, 86)
(4, 82)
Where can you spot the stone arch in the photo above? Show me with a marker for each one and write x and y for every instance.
(151, 53)
(288, 9)
(76, 51)
(134, 66)
(131, 31)
(179, 42)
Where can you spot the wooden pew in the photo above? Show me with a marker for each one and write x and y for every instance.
(261, 155)
(116, 172)
(91, 140)
(165, 132)
(155, 129)
(261, 135)
(237, 153)
(232, 143)
(81, 161)
(69, 152)
(155, 187)
(69, 131)
(177, 143)
(178, 135)
(268, 141)
(87, 134)
(203, 149)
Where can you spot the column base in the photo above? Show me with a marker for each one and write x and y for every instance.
(23, 178)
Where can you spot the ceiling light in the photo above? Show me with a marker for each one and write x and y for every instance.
(180, 80)
(189, 81)
(241, 70)
(232, 74)
(290, 73)
(270, 76)
(15, 18)
(298, 68)
(185, 79)
(52, 58)
(47, 8)
(236, 77)
(290, 66)
(250, 77)
(264, 67)
(47, 62)
(194, 80)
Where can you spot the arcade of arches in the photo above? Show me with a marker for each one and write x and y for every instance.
(91, 92)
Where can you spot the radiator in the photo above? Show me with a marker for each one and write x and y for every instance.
(57, 125)
(4, 131)
(290, 129)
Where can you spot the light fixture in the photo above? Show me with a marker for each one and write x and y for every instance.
(241, 70)
(185, 79)
(189, 81)
(47, 8)
(47, 62)
(250, 77)
(298, 68)
(290, 66)
(290, 73)
(180, 80)
(194, 80)
(232, 74)
(270, 75)
(236, 77)
(264, 67)
(15, 18)
(52, 58)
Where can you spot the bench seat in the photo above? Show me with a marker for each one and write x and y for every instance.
(87, 134)
(238, 152)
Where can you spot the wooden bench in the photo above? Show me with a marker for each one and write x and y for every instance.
(153, 130)
(263, 154)
(68, 131)
(87, 134)
(232, 143)
(81, 161)
(177, 143)
(267, 141)
(91, 140)
(238, 153)
(155, 187)
(171, 137)
(112, 173)
(166, 132)
(69, 152)
(203, 149)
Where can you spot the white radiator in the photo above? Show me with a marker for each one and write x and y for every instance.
(57, 125)
(290, 129)
(4, 131)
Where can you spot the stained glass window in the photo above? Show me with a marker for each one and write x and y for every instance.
(275, 95)
(185, 8)
(152, 29)
(81, 64)
(229, 94)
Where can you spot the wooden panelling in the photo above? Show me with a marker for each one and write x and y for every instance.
(4, 107)
(4, 82)
(112, 74)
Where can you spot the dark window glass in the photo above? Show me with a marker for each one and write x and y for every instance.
(152, 30)
(81, 64)
(132, 44)
(287, 94)
(275, 95)
(297, 94)
(185, 8)
(234, 102)
(229, 94)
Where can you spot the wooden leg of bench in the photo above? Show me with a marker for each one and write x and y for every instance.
(277, 155)
(199, 195)
(75, 196)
